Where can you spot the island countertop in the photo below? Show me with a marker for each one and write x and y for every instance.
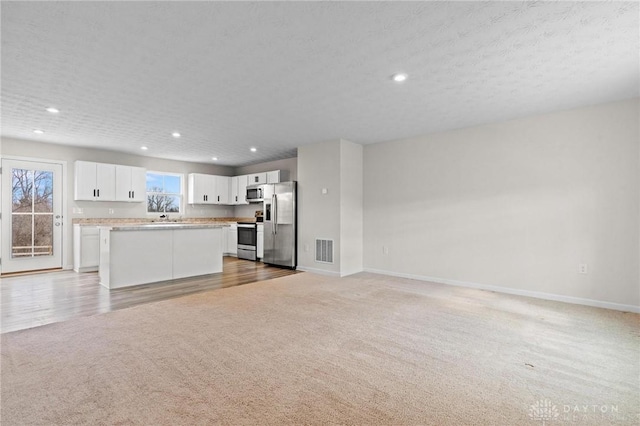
(155, 226)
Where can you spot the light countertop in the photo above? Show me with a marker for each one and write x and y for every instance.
(161, 226)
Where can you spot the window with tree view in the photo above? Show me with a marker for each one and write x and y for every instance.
(31, 213)
(164, 192)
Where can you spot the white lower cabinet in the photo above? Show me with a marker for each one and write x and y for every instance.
(191, 253)
(133, 257)
(86, 248)
(231, 240)
(260, 241)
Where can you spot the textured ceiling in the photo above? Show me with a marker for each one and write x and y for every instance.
(279, 75)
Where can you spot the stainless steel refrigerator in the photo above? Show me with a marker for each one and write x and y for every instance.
(280, 227)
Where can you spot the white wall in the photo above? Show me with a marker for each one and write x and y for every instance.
(351, 205)
(337, 214)
(517, 205)
(318, 214)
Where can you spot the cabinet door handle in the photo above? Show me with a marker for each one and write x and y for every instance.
(218, 198)
(133, 194)
(98, 193)
(94, 192)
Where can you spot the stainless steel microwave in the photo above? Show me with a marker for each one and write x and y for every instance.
(255, 193)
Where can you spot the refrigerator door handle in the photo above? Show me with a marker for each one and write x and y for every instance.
(274, 204)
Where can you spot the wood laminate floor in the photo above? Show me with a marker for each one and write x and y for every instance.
(33, 300)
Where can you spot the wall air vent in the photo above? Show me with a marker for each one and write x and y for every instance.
(324, 251)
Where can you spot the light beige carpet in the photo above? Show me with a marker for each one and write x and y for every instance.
(308, 349)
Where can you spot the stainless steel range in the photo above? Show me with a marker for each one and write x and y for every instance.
(247, 240)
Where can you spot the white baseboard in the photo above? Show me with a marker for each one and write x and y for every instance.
(517, 292)
(318, 271)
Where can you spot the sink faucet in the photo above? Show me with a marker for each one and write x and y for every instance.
(164, 217)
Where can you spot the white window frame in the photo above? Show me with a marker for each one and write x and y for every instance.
(181, 194)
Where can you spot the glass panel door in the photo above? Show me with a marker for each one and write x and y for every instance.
(31, 204)
(32, 213)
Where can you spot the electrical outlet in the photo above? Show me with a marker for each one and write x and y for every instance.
(582, 268)
(385, 250)
(325, 191)
(110, 211)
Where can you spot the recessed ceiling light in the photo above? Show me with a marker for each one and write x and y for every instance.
(144, 148)
(214, 158)
(254, 149)
(53, 110)
(176, 135)
(38, 132)
(399, 78)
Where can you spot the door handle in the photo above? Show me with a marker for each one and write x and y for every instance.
(57, 223)
(274, 203)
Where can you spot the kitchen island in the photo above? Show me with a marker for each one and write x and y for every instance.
(146, 253)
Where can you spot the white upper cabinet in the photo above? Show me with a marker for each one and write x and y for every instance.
(208, 189)
(233, 191)
(264, 177)
(238, 193)
(130, 183)
(211, 189)
(95, 181)
(109, 182)
(242, 189)
(222, 184)
(202, 189)
(256, 178)
(139, 184)
(273, 177)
